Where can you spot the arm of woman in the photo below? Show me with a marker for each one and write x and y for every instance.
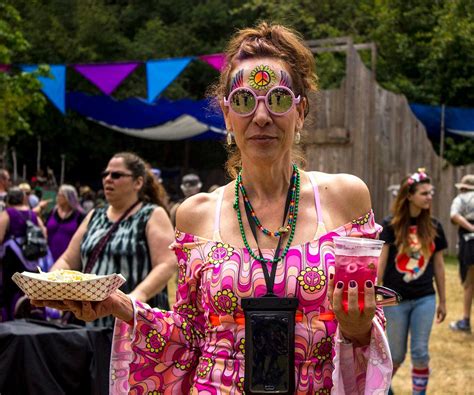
(362, 355)
(118, 304)
(71, 258)
(353, 201)
(4, 221)
(382, 264)
(41, 206)
(166, 343)
(42, 227)
(459, 220)
(160, 235)
(438, 261)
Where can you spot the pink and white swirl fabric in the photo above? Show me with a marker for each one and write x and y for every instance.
(181, 352)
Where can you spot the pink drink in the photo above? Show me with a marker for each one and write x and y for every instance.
(357, 268)
(356, 259)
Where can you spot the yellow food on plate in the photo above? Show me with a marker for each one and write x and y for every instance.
(68, 276)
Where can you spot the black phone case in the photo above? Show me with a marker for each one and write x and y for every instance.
(284, 308)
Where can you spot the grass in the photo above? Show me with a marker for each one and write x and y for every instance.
(452, 353)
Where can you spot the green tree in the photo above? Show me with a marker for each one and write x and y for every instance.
(20, 95)
(425, 51)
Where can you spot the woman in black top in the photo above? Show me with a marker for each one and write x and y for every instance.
(410, 259)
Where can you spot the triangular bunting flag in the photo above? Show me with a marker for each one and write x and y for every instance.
(4, 68)
(106, 77)
(216, 60)
(160, 73)
(54, 88)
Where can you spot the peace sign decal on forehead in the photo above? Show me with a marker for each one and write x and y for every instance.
(262, 77)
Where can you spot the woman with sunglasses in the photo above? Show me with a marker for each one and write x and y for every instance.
(267, 233)
(411, 257)
(138, 249)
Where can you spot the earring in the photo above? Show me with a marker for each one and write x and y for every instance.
(297, 137)
(229, 139)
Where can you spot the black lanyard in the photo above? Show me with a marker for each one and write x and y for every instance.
(270, 278)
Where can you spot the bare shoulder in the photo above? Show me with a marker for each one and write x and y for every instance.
(196, 214)
(159, 214)
(346, 196)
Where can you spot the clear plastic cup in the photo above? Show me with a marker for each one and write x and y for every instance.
(356, 259)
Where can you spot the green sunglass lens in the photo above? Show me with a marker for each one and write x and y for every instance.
(242, 102)
(280, 101)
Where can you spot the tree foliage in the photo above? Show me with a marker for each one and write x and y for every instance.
(19, 92)
(425, 51)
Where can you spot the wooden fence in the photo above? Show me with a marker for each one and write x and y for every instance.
(365, 130)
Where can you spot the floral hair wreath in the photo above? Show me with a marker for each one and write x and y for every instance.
(418, 176)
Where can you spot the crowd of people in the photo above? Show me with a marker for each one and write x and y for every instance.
(265, 237)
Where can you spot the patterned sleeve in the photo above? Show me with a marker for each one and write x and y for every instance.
(160, 351)
(367, 369)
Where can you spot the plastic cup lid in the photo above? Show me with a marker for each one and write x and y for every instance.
(355, 242)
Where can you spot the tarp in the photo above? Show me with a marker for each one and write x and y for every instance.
(458, 122)
(162, 120)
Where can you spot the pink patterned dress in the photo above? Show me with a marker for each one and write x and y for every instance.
(199, 346)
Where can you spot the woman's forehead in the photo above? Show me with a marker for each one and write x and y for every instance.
(260, 74)
(116, 163)
(423, 187)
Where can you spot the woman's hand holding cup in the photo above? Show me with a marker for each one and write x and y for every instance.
(354, 324)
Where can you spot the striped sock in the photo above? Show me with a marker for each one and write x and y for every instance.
(420, 380)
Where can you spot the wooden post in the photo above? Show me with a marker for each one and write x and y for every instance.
(3, 154)
(15, 172)
(187, 149)
(441, 145)
(441, 142)
(373, 60)
(38, 155)
(63, 169)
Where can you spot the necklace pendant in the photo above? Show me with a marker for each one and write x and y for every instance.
(283, 229)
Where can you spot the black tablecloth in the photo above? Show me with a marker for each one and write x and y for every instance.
(44, 358)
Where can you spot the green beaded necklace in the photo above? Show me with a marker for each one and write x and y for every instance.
(282, 229)
(293, 224)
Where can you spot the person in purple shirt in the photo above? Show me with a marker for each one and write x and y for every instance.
(12, 233)
(64, 220)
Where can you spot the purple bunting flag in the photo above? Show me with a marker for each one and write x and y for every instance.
(106, 77)
(216, 60)
(4, 68)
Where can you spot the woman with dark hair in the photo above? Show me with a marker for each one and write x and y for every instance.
(63, 220)
(411, 257)
(264, 239)
(138, 248)
(12, 236)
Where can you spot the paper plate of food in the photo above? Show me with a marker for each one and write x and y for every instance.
(67, 285)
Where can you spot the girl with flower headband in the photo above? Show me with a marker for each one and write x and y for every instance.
(411, 257)
(265, 236)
